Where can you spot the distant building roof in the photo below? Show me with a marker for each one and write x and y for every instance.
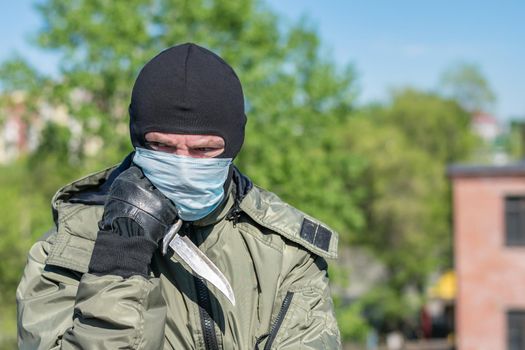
(472, 170)
(484, 118)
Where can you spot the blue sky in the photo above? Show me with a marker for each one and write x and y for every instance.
(390, 43)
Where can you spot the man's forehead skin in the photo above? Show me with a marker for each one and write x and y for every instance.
(190, 140)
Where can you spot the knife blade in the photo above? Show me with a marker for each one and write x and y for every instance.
(200, 264)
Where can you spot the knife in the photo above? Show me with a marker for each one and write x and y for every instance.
(196, 260)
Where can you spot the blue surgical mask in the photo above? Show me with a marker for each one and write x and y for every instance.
(194, 185)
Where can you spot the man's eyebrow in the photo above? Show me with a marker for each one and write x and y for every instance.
(156, 139)
(204, 143)
(163, 142)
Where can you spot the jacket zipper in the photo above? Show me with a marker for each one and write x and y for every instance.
(278, 321)
(204, 302)
(207, 323)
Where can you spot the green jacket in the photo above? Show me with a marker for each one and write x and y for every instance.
(272, 254)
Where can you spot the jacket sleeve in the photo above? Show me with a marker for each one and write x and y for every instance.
(61, 309)
(307, 317)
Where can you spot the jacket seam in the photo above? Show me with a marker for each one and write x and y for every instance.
(246, 227)
(60, 245)
(74, 211)
(140, 331)
(307, 289)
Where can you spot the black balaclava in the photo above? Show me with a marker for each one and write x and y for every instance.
(188, 89)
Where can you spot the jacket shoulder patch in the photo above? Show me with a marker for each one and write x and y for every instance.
(268, 210)
(316, 234)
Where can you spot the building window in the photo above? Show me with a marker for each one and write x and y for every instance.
(515, 220)
(516, 330)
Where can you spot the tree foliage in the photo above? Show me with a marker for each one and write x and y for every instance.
(406, 145)
(465, 83)
(375, 174)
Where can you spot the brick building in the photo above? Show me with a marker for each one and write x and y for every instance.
(489, 253)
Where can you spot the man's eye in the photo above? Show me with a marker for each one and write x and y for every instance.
(159, 146)
(204, 149)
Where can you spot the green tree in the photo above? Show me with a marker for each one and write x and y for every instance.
(25, 216)
(405, 146)
(376, 174)
(406, 225)
(20, 80)
(437, 125)
(293, 92)
(466, 83)
(294, 95)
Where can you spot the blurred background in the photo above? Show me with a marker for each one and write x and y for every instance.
(399, 124)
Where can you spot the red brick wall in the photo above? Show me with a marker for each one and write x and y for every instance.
(490, 275)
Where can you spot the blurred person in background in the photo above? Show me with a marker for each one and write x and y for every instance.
(101, 278)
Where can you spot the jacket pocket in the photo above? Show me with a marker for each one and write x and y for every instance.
(274, 329)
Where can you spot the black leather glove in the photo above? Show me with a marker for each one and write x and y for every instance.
(136, 218)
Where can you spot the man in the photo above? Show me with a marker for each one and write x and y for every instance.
(102, 278)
